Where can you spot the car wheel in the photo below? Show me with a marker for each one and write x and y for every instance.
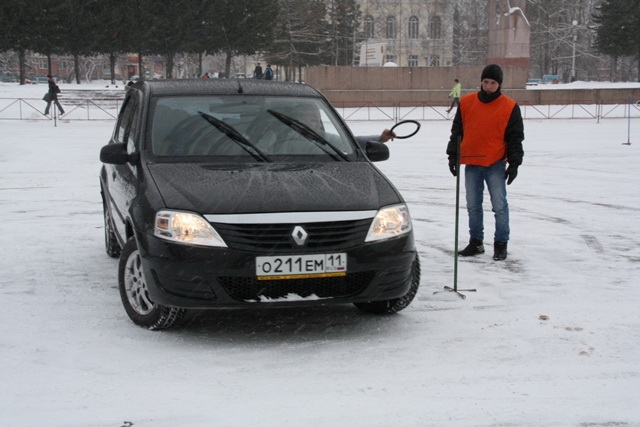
(394, 305)
(110, 240)
(135, 295)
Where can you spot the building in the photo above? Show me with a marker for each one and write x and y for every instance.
(412, 33)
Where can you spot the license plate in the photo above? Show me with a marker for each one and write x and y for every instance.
(301, 266)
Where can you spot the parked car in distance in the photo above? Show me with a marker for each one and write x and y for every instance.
(220, 193)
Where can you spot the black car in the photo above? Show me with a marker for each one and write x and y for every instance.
(229, 193)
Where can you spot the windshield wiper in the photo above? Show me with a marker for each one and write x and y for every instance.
(235, 136)
(310, 134)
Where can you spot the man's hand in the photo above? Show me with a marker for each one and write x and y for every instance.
(453, 166)
(511, 173)
(387, 135)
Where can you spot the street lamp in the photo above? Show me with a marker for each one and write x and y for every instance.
(573, 55)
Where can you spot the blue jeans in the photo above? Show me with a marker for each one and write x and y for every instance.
(474, 179)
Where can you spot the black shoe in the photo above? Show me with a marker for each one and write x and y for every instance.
(61, 113)
(499, 251)
(474, 247)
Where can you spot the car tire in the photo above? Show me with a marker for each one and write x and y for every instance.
(110, 240)
(394, 305)
(135, 294)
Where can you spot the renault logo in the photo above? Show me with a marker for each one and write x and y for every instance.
(299, 235)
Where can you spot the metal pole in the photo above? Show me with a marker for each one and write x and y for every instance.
(573, 55)
(628, 125)
(455, 253)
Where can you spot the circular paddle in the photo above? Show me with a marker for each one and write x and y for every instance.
(404, 129)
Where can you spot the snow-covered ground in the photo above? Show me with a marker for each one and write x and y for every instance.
(587, 85)
(551, 337)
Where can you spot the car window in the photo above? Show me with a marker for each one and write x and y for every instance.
(223, 126)
(127, 124)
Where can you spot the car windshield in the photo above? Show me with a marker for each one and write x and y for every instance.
(250, 128)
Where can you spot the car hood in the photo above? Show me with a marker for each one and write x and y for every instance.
(273, 187)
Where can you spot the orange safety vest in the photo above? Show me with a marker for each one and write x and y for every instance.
(483, 129)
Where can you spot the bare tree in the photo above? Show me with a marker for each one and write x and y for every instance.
(470, 28)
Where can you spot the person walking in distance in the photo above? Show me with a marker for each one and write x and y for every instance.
(455, 95)
(268, 73)
(257, 72)
(54, 90)
(490, 127)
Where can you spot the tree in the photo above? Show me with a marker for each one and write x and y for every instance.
(16, 21)
(302, 33)
(470, 30)
(618, 33)
(172, 29)
(344, 17)
(80, 26)
(240, 27)
(137, 31)
(114, 31)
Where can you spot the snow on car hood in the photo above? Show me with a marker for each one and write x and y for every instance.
(273, 187)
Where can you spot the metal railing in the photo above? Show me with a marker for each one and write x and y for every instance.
(426, 112)
(74, 108)
(107, 109)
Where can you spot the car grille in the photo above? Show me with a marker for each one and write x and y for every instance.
(277, 238)
(247, 288)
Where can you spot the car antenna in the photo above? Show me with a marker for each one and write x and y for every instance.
(235, 70)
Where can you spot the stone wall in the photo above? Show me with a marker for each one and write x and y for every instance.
(406, 86)
(405, 78)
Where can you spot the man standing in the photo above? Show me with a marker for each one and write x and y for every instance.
(54, 90)
(268, 73)
(491, 130)
(257, 72)
(455, 94)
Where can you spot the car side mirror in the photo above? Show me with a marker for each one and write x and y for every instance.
(116, 154)
(377, 151)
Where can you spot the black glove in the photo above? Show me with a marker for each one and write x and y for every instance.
(453, 166)
(511, 173)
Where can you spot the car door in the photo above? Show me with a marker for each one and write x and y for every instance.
(122, 179)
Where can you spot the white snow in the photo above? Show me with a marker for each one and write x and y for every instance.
(551, 337)
(579, 84)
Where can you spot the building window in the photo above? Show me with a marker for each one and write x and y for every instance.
(413, 61)
(435, 28)
(413, 27)
(368, 27)
(390, 58)
(391, 27)
(434, 61)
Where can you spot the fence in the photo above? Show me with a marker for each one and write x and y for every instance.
(75, 109)
(427, 112)
(107, 109)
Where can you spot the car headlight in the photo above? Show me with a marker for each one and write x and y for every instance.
(389, 222)
(187, 228)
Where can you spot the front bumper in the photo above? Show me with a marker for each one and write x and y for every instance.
(201, 277)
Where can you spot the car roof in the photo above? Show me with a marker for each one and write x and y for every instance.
(171, 87)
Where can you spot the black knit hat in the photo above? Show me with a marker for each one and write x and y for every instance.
(493, 72)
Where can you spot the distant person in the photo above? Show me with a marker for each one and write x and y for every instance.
(268, 73)
(491, 130)
(455, 95)
(52, 95)
(257, 72)
(205, 76)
